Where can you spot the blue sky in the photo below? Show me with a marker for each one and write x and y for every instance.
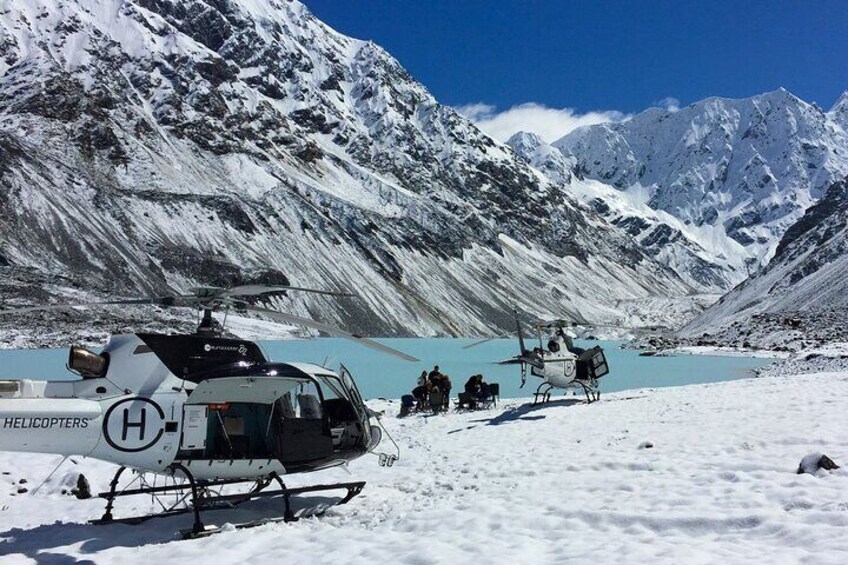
(602, 56)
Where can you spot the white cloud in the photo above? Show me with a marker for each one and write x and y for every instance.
(549, 123)
(670, 103)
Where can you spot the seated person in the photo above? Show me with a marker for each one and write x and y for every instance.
(310, 406)
(476, 388)
(445, 386)
(472, 385)
(484, 389)
(420, 392)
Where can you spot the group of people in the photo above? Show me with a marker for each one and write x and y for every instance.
(433, 389)
(433, 382)
(477, 388)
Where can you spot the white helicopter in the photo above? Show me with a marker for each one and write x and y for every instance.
(213, 410)
(560, 365)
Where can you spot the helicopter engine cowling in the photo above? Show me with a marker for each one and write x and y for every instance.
(86, 363)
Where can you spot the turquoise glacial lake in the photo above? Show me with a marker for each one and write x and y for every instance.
(381, 375)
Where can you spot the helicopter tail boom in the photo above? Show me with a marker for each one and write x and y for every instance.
(64, 426)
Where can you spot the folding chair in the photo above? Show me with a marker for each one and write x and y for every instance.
(494, 392)
(464, 402)
(436, 400)
(407, 405)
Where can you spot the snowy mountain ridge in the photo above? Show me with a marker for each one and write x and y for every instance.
(155, 145)
(736, 172)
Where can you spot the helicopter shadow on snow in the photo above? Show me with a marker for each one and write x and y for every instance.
(521, 413)
(44, 544)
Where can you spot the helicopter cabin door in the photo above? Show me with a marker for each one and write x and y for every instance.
(262, 417)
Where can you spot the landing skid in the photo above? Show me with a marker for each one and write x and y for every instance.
(593, 393)
(198, 497)
(543, 393)
(590, 388)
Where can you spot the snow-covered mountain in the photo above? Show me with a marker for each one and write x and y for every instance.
(839, 112)
(806, 275)
(155, 145)
(667, 239)
(736, 173)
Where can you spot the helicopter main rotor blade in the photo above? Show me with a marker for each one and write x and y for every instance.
(481, 342)
(332, 330)
(514, 361)
(260, 289)
(158, 301)
(519, 359)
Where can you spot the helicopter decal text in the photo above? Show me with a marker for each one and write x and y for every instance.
(240, 349)
(133, 424)
(44, 423)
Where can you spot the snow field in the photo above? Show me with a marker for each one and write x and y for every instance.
(522, 484)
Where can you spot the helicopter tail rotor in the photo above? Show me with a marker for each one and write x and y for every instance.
(520, 333)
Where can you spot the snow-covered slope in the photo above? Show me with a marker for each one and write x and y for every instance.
(806, 275)
(559, 483)
(152, 145)
(737, 172)
(685, 248)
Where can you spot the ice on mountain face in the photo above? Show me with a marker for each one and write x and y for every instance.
(157, 145)
(668, 240)
(739, 172)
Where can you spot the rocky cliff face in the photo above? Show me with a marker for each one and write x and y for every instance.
(737, 173)
(154, 145)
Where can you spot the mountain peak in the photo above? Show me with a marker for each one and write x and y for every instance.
(780, 95)
(839, 112)
(525, 139)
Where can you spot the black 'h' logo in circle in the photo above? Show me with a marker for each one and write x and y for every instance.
(139, 424)
(133, 431)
